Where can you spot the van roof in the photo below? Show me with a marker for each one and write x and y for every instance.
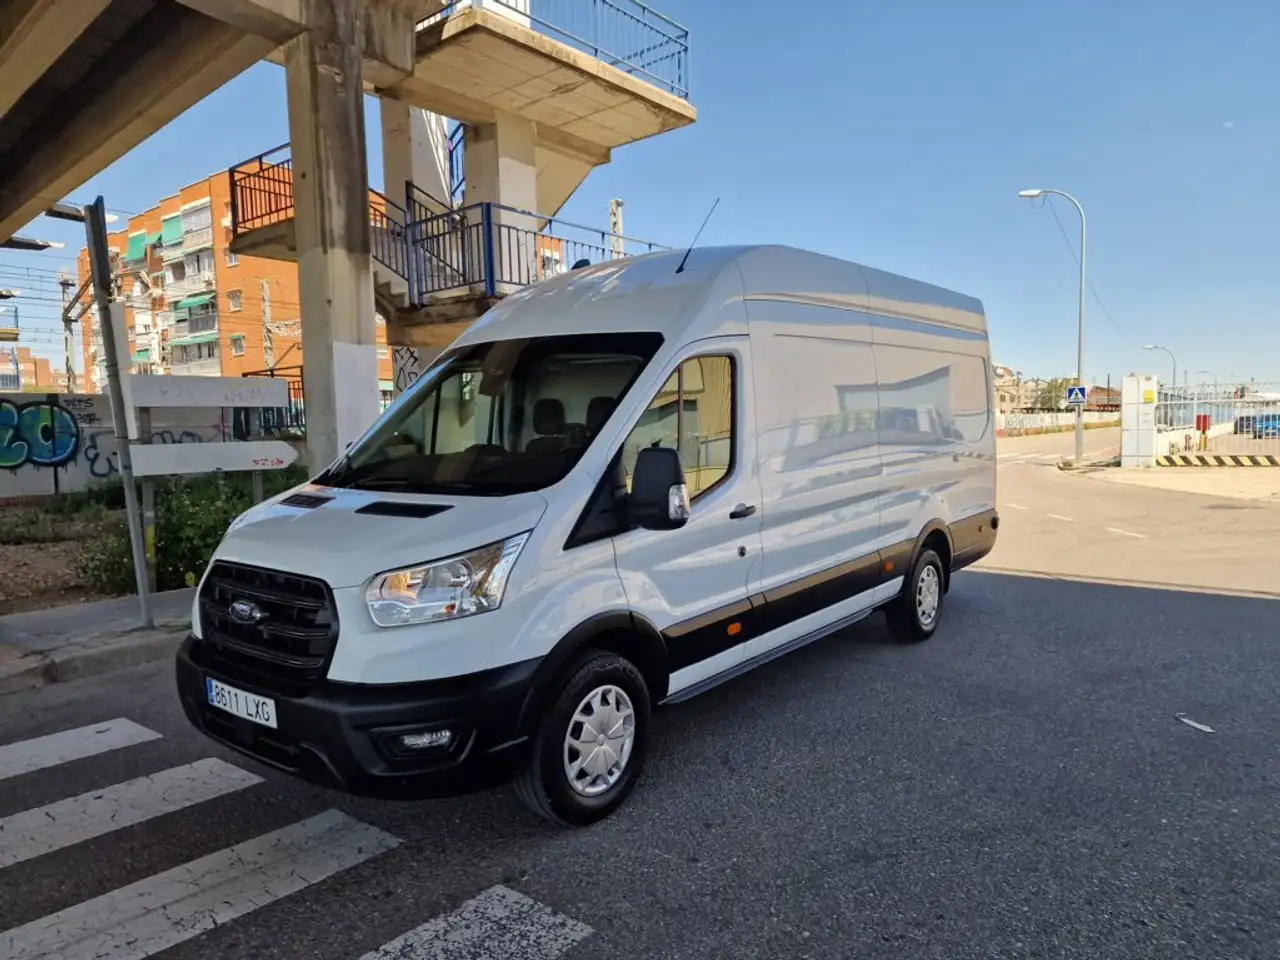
(646, 293)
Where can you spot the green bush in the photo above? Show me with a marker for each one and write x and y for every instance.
(192, 514)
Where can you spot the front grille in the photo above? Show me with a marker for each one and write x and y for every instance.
(286, 630)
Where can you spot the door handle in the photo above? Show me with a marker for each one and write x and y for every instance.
(740, 511)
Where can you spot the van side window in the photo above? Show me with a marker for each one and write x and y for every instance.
(692, 413)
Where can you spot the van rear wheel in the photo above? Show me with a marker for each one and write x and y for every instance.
(590, 745)
(914, 615)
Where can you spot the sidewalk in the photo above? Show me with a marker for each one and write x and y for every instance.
(63, 643)
(1232, 483)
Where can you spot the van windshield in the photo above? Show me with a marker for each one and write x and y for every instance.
(498, 418)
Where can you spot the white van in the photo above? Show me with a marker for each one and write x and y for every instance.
(617, 489)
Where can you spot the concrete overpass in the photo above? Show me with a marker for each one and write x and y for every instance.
(84, 81)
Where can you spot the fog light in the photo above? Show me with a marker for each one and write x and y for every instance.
(426, 740)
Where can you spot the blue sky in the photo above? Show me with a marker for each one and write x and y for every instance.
(899, 135)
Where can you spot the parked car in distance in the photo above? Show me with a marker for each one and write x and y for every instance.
(1266, 425)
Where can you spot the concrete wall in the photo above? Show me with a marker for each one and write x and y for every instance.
(1011, 424)
(56, 443)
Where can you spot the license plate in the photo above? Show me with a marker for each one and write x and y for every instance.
(248, 706)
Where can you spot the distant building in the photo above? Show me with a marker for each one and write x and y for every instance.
(22, 370)
(192, 307)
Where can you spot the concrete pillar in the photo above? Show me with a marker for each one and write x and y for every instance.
(415, 146)
(501, 169)
(331, 194)
(1138, 422)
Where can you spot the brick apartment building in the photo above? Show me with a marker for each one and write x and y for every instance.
(192, 307)
(22, 370)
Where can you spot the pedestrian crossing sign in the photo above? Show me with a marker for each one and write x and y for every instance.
(1077, 395)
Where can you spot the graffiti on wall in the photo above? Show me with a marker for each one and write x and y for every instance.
(104, 463)
(69, 440)
(406, 364)
(40, 433)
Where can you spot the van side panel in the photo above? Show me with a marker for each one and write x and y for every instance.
(937, 433)
(820, 470)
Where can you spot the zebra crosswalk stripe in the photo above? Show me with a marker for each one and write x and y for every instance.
(29, 756)
(33, 833)
(498, 923)
(135, 921)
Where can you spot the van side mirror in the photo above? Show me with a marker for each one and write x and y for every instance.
(659, 499)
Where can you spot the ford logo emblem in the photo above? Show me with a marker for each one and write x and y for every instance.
(245, 611)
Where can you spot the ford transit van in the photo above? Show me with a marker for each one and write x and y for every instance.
(617, 489)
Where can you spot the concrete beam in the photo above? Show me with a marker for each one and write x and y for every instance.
(389, 42)
(277, 20)
(197, 57)
(34, 34)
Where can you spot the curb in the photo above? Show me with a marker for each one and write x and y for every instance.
(1218, 460)
(86, 657)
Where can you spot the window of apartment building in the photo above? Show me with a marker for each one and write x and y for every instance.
(197, 218)
(205, 258)
(234, 300)
(237, 345)
(175, 272)
(232, 258)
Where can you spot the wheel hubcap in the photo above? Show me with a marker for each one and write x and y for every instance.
(928, 593)
(599, 741)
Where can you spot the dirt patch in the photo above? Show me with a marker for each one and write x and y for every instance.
(40, 557)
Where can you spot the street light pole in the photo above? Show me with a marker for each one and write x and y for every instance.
(1156, 346)
(1031, 195)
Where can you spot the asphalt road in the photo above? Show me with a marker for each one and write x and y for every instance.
(1020, 786)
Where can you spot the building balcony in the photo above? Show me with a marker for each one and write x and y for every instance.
(191, 285)
(208, 367)
(262, 214)
(197, 239)
(607, 72)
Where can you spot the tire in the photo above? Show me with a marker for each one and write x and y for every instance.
(544, 785)
(908, 621)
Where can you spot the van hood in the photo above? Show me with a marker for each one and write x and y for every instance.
(344, 547)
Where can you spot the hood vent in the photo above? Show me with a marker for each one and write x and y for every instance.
(397, 508)
(307, 501)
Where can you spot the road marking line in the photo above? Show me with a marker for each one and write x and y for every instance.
(1058, 516)
(1015, 506)
(34, 833)
(1050, 456)
(27, 756)
(134, 922)
(498, 923)
(1126, 533)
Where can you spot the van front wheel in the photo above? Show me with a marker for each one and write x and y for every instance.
(590, 745)
(914, 615)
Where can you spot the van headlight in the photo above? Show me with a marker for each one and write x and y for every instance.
(460, 586)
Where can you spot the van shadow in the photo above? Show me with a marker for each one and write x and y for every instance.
(1040, 707)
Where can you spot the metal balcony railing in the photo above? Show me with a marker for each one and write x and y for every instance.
(486, 248)
(262, 195)
(625, 34)
(387, 233)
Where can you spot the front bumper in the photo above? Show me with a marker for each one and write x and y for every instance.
(342, 735)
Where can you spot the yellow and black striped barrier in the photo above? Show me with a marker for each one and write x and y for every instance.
(1218, 460)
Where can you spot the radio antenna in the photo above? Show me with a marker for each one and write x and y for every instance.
(680, 269)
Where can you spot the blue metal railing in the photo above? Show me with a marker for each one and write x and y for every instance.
(625, 34)
(487, 247)
(457, 163)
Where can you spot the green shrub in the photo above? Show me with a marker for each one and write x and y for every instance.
(192, 514)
